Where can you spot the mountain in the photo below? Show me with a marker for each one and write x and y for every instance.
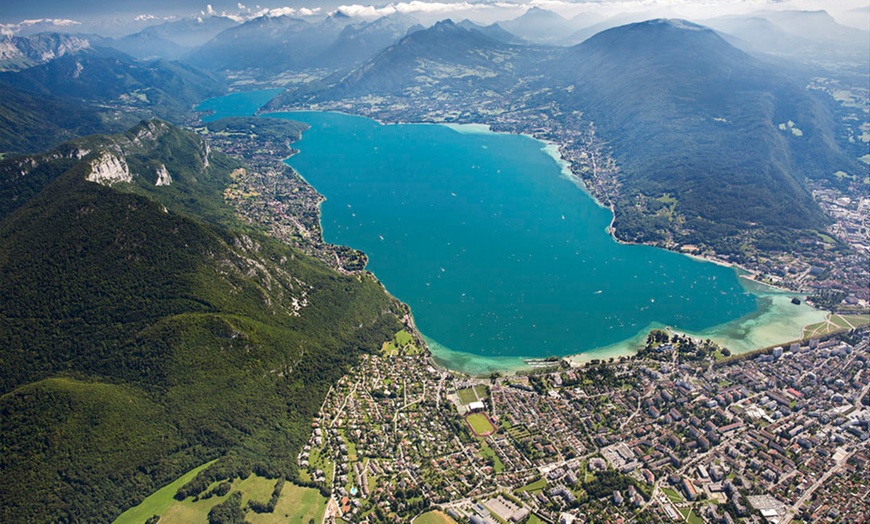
(359, 42)
(99, 74)
(444, 58)
(148, 45)
(858, 18)
(30, 123)
(191, 32)
(269, 44)
(811, 37)
(540, 26)
(172, 40)
(145, 331)
(590, 25)
(21, 52)
(494, 31)
(688, 115)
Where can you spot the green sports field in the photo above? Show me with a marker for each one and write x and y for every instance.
(480, 424)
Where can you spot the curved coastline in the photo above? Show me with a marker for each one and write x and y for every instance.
(442, 357)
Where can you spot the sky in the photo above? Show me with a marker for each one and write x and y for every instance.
(125, 16)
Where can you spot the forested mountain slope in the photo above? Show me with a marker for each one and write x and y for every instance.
(143, 331)
(731, 138)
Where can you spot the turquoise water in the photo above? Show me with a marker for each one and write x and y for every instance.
(237, 104)
(500, 256)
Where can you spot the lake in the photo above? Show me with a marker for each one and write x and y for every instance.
(500, 255)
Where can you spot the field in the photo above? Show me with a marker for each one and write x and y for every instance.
(537, 485)
(835, 323)
(690, 516)
(672, 495)
(434, 517)
(469, 395)
(480, 424)
(158, 502)
(401, 345)
(296, 504)
(488, 452)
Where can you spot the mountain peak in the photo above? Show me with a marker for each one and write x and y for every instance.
(672, 36)
(445, 25)
(675, 23)
(540, 12)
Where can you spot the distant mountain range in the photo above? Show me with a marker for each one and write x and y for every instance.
(72, 87)
(443, 57)
(21, 52)
(541, 26)
(810, 37)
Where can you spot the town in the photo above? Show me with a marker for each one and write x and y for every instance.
(675, 433)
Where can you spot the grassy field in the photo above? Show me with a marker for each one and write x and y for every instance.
(534, 519)
(487, 451)
(403, 338)
(672, 495)
(253, 487)
(835, 323)
(537, 485)
(690, 516)
(401, 345)
(297, 504)
(480, 424)
(469, 395)
(159, 501)
(434, 517)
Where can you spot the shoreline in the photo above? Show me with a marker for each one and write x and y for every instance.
(445, 358)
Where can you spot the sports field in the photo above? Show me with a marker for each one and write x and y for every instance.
(480, 424)
(434, 517)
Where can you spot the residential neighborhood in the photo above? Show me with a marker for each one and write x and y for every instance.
(659, 437)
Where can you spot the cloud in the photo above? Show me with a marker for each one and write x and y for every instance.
(144, 18)
(49, 23)
(281, 11)
(60, 22)
(413, 7)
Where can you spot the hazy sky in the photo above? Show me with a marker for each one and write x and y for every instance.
(115, 12)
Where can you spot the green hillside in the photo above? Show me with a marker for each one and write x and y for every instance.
(143, 332)
(30, 123)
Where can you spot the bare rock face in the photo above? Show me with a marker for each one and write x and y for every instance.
(21, 52)
(163, 176)
(109, 169)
